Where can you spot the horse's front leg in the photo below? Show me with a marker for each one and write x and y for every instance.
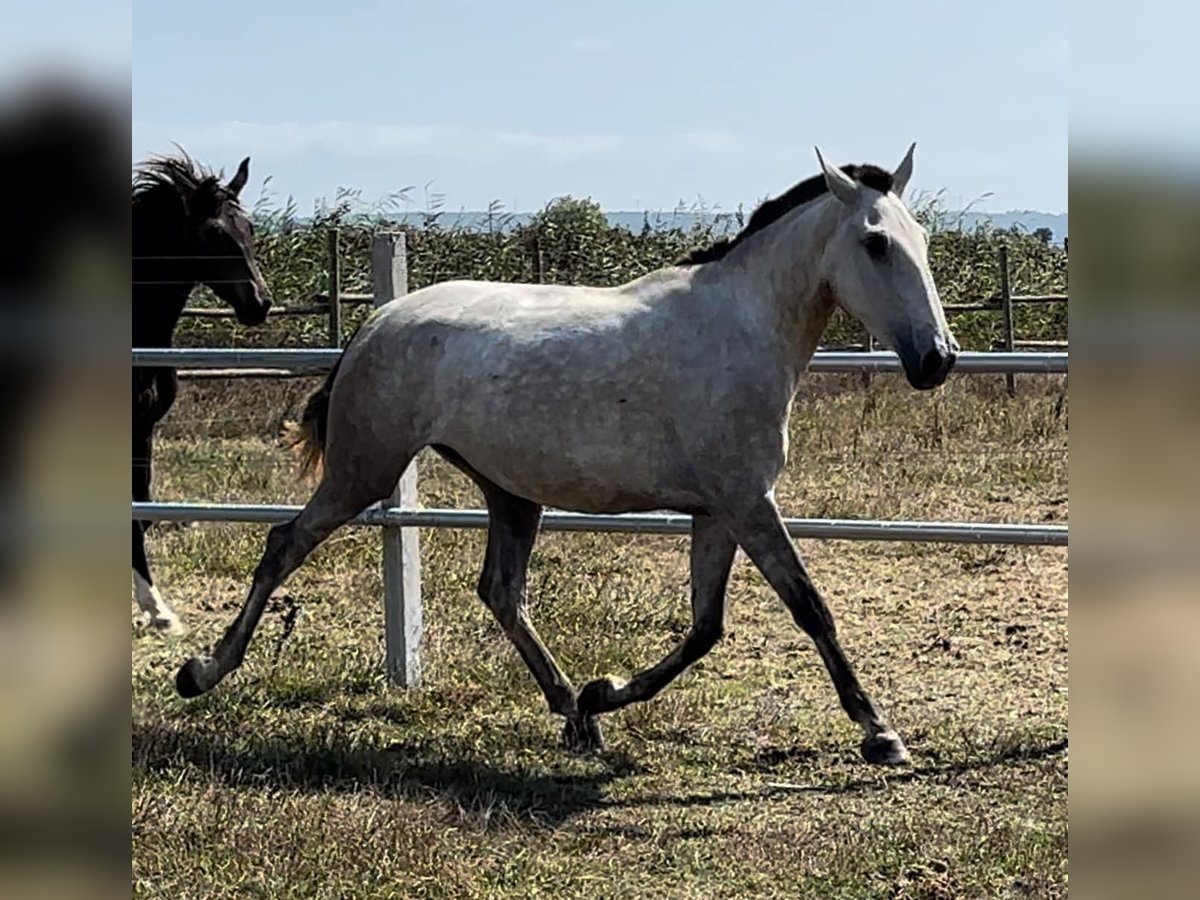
(713, 548)
(149, 601)
(764, 537)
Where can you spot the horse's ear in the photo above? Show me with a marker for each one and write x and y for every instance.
(238, 181)
(839, 183)
(903, 171)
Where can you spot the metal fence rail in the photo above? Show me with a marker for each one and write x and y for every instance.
(315, 361)
(400, 518)
(629, 523)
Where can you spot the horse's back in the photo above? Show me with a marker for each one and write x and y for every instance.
(468, 331)
(498, 307)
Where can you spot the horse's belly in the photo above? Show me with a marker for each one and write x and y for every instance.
(607, 476)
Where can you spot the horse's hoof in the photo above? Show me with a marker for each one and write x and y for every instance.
(885, 749)
(168, 625)
(583, 735)
(596, 697)
(197, 676)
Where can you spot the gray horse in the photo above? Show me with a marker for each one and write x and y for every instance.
(670, 392)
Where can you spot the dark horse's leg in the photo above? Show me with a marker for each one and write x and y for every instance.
(712, 556)
(338, 499)
(764, 537)
(160, 615)
(512, 529)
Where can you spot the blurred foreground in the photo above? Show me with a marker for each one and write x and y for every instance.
(1135, 186)
(63, 455)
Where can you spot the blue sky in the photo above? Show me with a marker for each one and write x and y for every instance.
(637, 104)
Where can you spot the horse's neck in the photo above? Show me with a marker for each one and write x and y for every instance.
(782, 273)
(162, 272)
(162, 281)
(156, 311)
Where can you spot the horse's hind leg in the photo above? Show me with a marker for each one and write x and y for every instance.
(341, 496)
(512, 530)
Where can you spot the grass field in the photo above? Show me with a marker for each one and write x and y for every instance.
(304, 775)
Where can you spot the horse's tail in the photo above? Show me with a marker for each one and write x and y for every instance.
(306, 440)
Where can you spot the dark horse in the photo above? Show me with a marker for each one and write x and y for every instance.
(188, 229)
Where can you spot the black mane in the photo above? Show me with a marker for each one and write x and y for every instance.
(181, 175)
(773, 209)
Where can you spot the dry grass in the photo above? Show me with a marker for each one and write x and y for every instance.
(303, 775)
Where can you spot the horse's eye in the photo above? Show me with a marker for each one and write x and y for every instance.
(876, 245)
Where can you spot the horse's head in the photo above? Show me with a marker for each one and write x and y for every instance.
(224, 246)
(192, 229)
(876, 265)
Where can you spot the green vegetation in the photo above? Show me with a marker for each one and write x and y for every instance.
(578, 246)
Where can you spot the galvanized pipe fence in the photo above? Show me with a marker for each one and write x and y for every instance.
(400, 516)
(314, 361)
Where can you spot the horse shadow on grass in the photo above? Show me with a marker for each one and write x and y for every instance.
(874, 781)
(480, 790)
(490, 794)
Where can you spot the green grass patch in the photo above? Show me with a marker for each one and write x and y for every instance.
(304, 775)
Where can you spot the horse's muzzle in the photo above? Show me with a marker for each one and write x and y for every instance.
(254, 314)
(930, 369)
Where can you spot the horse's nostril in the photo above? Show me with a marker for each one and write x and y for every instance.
(931, 363)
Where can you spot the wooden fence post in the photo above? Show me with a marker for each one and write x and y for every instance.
(1006, 311)
(335, 291)
(401, 546)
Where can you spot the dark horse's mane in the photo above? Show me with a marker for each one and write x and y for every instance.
(772, 210)
(181, 175)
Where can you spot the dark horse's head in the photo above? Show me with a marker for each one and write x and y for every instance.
(190, 229)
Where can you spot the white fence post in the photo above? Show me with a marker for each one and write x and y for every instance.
(401, 546)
